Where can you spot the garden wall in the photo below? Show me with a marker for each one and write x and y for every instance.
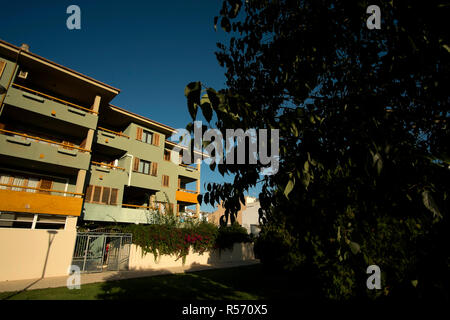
(240, 252)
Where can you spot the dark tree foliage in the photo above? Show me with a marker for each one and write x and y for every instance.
(363, 114)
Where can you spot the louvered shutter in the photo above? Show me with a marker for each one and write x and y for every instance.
(114, 194)
(105, 195)
(97, 194)
(155, 139)
(154, 169)
(139, 132)
(88, 195)
(45, 184)
(136, 164)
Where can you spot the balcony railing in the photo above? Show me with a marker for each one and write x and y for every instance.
(53, 98)
(64, 145)
(188, 166)
(101, 164)
(120, 134)
(42, 190)
(189, 191)
(156, 206)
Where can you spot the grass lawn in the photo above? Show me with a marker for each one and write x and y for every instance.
(239, 283)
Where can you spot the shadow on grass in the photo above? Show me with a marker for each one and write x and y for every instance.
(251, 282)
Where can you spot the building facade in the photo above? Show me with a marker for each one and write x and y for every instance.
(247, 217)
(68, 155)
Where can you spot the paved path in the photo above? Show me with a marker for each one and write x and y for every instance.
(55, 282)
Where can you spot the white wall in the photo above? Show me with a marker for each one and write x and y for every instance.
(32, 254)
(240, 252)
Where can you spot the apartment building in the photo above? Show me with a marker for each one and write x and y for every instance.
(67, 155)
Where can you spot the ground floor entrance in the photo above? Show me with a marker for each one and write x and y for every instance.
(98, 251)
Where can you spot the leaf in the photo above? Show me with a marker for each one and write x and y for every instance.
(200, 198)
(289, 187)
(430, 204)
(215, 22)
(206, 107)
(354, 247)
(414, 283)
(225, 24)
(192, 92)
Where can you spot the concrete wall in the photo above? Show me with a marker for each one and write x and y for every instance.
(240, 252)
(31, 254)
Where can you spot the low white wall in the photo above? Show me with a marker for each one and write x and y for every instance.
(32, 254)
(240, 252)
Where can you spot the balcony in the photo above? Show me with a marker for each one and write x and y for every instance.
(37, 200)
(21, 145)
(112, 139)
(187, 196)
(108, 174)
(38, 102)
(127, 213)
(188, 171)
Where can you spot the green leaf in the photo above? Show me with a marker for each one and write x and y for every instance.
(354, 247)
(430, 204)
(206, 107)
(225, 24)
(192, 92)
(289, 186)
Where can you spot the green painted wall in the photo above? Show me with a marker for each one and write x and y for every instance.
(44, 106)
(52, 154)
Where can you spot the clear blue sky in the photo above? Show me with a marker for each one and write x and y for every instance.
(148, 49)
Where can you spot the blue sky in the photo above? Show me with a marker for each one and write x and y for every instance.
(148, 49)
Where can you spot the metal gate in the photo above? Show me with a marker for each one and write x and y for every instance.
(96, 251)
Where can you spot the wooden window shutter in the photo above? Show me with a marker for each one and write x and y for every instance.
(139, 132)
(45, 184)
(105, 195)
(2, 67)
(154, 169)
(179, 183)
(155, 139)
(114, 194)
(136, 164)
(165, 181)
(88, 194)
(97, 194)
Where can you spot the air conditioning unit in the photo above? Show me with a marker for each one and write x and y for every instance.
(23, 74)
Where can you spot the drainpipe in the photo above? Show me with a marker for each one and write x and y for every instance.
(131, 164)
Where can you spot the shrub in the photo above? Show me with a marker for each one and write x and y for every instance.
(228, 235)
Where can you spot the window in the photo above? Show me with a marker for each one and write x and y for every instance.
(13, 183)
(147, 137)
(32, 221)
(144, 167)
(166, 155)
(101, 195)
(165, 180)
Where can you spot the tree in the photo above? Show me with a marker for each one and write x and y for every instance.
(364, 151)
